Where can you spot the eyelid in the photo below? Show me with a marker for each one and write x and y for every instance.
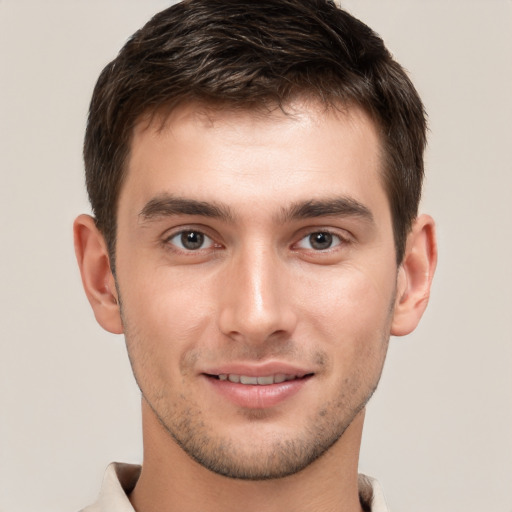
(207, 241)
(343, 239)
(308, 237)
(179, 230)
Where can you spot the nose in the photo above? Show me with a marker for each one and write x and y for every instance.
(256, 304)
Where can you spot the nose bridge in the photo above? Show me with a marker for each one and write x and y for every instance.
(254, 304)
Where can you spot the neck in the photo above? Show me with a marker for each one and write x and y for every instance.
(171, 481)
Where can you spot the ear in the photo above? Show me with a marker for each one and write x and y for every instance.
(415, 276)
(97, 278)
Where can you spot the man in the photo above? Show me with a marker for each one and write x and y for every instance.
(254, 170)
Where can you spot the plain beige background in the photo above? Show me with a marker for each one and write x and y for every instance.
(439, 430)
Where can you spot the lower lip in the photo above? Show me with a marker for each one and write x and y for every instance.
(256, 396)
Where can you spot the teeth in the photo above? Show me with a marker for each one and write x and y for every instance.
(248, 380)
(265, 380)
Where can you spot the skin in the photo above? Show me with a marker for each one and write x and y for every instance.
(224, 267)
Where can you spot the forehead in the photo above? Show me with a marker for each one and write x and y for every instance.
(271, 155)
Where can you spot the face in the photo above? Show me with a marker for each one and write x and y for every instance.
(257, 279)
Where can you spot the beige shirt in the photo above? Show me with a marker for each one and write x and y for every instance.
(120, 479)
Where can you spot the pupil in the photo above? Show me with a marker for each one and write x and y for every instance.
(192, 240)
(320, 241)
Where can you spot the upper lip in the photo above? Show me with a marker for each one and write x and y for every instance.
(258, 370)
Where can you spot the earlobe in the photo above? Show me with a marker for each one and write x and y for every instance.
(415, 276)
(97, 278)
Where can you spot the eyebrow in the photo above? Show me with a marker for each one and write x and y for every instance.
(166, 205)
(338, 207)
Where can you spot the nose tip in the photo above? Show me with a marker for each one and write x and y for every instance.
(256, 305)
(255, 326)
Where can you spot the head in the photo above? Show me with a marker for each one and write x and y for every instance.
(255, 170)
(254, 56)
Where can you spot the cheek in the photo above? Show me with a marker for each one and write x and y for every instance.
(163, 315)
(350, 319)
(352, 325)
(349, 299)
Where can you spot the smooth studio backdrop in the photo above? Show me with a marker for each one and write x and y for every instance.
(439, 430)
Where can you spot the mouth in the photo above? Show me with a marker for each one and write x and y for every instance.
(262, 388)
(263, 380)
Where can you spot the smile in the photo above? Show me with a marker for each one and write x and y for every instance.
(253, 391)
(258, 381)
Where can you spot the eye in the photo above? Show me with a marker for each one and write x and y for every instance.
(319, 241)
(191, 240)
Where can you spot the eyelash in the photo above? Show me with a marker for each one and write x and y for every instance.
(180, 234)
(334, 240)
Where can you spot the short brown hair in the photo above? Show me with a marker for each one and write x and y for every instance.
(245, 54)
